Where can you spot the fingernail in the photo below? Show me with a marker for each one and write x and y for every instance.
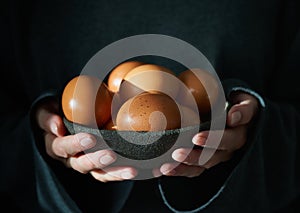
(106, 160)
(127, 175)
(166, 170)
(179, 156)
(169, 172)
(236, 117)
(156, 173)
(54, 128)
(198, 140)
(87, 142)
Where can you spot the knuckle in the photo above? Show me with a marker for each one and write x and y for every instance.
(192, 158)
(53, 147)
(76, 165)
(59, 150)
(86, 163)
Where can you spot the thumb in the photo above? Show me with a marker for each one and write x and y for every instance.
(243, 111)
(51, 122)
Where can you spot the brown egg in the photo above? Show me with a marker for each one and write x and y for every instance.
(128, 90)
(117, 74)
(109, 125)
(149, 112)
(188, 116)
(197, 89)
(116, 104)
(149, 77)
(87, 101)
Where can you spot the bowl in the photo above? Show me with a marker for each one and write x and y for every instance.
(139, 145)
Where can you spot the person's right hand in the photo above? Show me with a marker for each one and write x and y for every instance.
(70, 148)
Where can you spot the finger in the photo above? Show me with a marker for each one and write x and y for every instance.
(68, 145)
(187, 156)
(51, 122)
(156, 172)
(232, 139)
(175, 169)
(243, 111)
(49, 138)
(114, 174)
(90, 161)
(214, 136)
(192, 157)
(217, 158)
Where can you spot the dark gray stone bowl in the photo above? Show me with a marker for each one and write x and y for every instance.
(137, 145)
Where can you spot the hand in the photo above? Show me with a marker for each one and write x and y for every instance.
(70, 149)
(244, 108)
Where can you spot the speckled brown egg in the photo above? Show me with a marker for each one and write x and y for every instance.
(149, 112)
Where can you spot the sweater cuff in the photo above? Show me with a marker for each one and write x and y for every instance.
(234, 85)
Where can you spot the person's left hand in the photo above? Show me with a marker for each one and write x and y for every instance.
(243, 110)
